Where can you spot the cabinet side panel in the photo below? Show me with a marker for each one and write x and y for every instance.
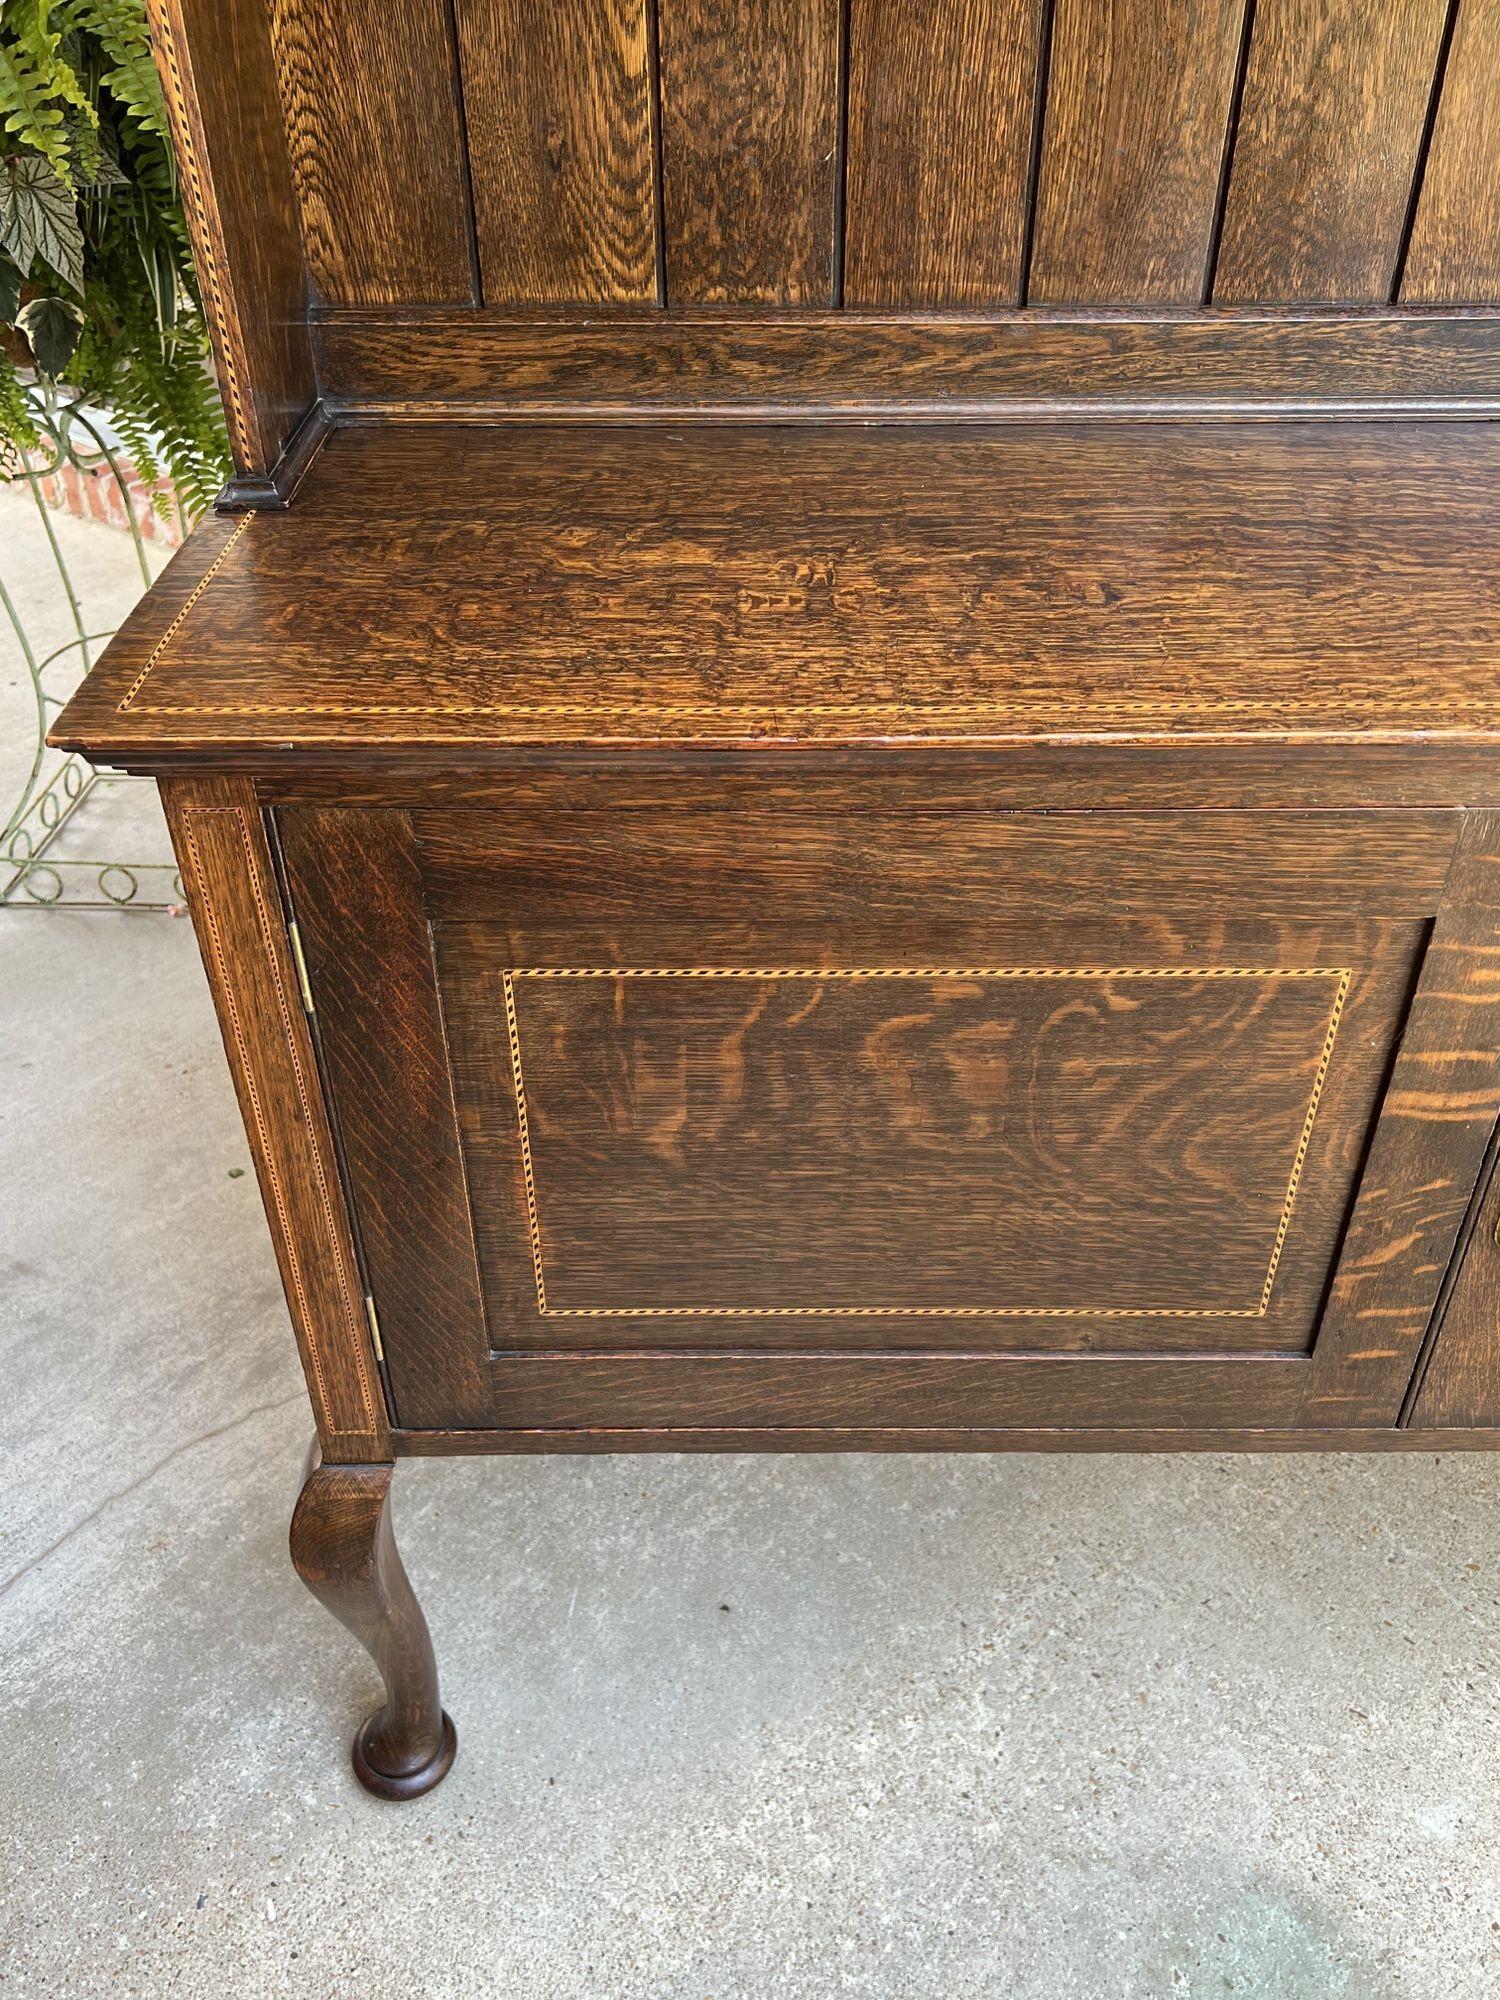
(1437, 1116)
(357, 893)
(219, 81)
(1462, 1384)
(219, 837)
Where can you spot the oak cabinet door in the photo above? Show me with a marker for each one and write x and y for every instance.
(748, 1121)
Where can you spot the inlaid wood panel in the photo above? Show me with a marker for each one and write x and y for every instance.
(559, 100)
(376, 149)
(1335, 102)
(728, 1143)
(879, 1086)
(769, 1119)
(1454, 255)
(1134, 142)
(750, 139)
(942, 98)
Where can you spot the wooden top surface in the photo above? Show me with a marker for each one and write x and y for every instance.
(749, 584)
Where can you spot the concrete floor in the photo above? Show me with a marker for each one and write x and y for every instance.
(728, 1728)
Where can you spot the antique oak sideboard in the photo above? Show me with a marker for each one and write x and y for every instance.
(837, 751)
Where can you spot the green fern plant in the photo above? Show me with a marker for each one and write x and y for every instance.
(97, 298)
(119, 28)
(39, 95)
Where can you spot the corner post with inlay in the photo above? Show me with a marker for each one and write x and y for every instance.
(342, 1544)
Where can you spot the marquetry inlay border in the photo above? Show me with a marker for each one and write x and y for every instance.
(195, 192)
(227, 970)
(1037, 710)
(1341, 974)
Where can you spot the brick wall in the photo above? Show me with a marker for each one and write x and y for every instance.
(96, 496)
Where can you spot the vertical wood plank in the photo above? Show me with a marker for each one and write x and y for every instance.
(750, 118)
(1462, 1383)
(1335, 103)
(1435, 1122)
(220, 842)
(370, 100)
(356, 888)
(237, 194)
(561, 149)
(1454, 257)
(941, 106)
(1133, 145)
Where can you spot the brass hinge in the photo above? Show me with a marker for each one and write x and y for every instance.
(301, 964)
(374, 1327)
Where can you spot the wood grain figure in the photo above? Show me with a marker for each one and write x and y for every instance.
(384, 224)
(560, 120)
(1454, 255)
(942, 104)
(1133, 145)
(750, 135)
(1330, 133)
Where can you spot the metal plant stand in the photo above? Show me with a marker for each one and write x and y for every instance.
(40, 866)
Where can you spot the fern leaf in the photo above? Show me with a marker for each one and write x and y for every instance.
(18, 432)
(119, 26)
(39, 91)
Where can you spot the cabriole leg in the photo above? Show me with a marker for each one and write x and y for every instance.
(344, 1550)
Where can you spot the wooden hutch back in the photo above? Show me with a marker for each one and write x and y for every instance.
(947, 206)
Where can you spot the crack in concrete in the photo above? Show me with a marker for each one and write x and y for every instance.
(144, 1479)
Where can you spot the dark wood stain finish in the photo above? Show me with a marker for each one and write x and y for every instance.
(750, 116)
(561, 149)
(837, 1113)
(680, 1214)
(1024, 366)
(833, 816)
(941, 106)
(1454, 256)
(385, 223)
(344, 1550)
(1438, 1114)
(1093, 774)
(1461, 1386)
(218, 79)
(937, 1149)
(357, 893)
(1134, 140)
(742, 584)
(220, 841)
(1335, 101)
